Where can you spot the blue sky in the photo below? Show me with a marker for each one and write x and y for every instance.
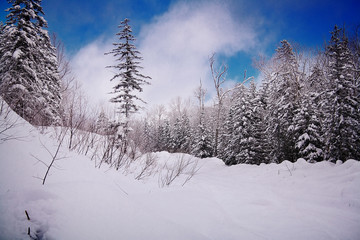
(177, 37)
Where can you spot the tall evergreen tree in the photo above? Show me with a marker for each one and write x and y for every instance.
(283, 102)
(29, 80)
(243, 138)
(147, 138)
(257, 127)
(202, 142)
(181, 136)
(165, 136)
(309, 142)
(2, 40)
(128, 75)
(342, 101)
(102, 124)
(226, 148)
(240, 140)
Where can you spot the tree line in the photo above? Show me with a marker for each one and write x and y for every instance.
(307, 105)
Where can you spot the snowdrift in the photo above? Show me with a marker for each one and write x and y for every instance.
(78, 201)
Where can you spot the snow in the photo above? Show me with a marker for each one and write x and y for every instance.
(78, 201)
(17, 54)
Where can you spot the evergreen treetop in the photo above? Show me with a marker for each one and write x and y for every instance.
(128, 74)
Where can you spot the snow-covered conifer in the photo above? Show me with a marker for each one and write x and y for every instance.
(28, 70)
(283, 102)
(257, 127)
(243, 139)
(239, 144)
(102, 124)
(202, 142)
(309, 141)
(181, 137)
(128, 76)
(226, 150)
(147, 137)
(341, 104)
(164, 136)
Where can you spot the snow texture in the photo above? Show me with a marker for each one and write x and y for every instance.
(275, 201)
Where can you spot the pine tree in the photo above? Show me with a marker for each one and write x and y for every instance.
(128, 75)
(2, 39)
(102, 124)
(342, 101)
(202, 142)
(283, 102)
(147, 138)
(265, 135)
(243, 138)
(240, 140)
(309, 143)
(181, 139)
(164, 136)
(257, 127)
(226, 150)
(29, 80)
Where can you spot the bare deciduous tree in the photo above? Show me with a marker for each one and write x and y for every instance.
(219, 78)
(200, 93)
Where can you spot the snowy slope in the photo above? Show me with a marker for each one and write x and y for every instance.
(79, 201)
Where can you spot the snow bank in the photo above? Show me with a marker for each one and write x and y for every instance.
(78, 201)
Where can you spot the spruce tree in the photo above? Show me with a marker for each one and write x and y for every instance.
(202, 142)
(226, 148)
(102, 124)
(243, 138)
(165, 136)
(128, 76)
(29, 80)
(181, 134)
(283, 102)
(309, 142)
(342, 125)
(2, 40)
(241, 141)
(147, 138)
(257, 127)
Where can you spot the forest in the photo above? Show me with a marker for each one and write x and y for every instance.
(305, 105)
(271, 157)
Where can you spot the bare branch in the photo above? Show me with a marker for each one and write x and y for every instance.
(53, 156)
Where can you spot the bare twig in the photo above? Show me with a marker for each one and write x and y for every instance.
(53, 156)
(180, 167)
(147, 166)
(7, 122)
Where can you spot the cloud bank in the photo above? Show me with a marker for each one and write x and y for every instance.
(175, 47)
(89, 65)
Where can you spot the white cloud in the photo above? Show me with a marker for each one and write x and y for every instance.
(89, 66)
(175, 47)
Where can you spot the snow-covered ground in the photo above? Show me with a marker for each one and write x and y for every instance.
(79, 201)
